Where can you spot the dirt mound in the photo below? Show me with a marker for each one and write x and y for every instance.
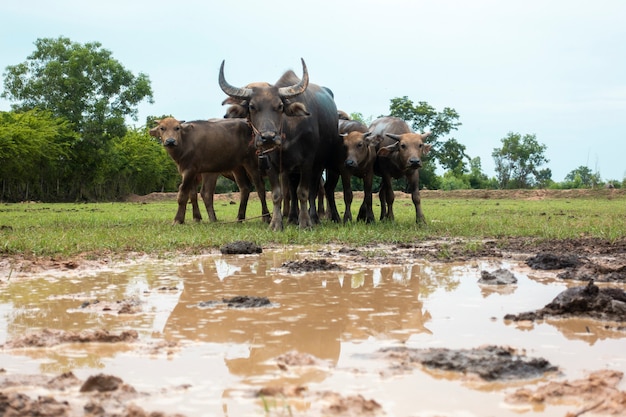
(589, 301)
(490, 363)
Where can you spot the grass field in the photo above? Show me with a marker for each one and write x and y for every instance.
(41, 229)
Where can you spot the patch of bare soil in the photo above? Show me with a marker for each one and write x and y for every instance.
(238, 301)
(607, 304)
(49, 337)
(310, 265)
(100, 395)
(596, 394)
(489, 363)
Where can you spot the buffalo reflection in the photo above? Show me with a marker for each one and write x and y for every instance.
(313, 312)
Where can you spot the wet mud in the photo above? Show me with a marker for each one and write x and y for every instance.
(607, 304)
(293, 334)
(490, 363)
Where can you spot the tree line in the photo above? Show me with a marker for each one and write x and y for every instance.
(65, 138)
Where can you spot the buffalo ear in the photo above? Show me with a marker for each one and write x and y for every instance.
(426, 148)
(296, 109)
(387, 150)
(236, 111)
(153, 131)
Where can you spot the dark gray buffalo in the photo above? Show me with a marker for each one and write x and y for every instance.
(295, 127)
(399, 154)
(211, 146)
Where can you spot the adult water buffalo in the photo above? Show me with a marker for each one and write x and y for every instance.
(295, 128)
(399, 154)
(211, 146)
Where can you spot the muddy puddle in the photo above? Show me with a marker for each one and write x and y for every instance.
(336, 341)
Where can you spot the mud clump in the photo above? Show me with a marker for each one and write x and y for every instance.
(597, 392)
(589, 301)
(497, 277)
(49, 337)
(550, 261)
(15, 404)
(99, 395)
(311, 266)
(490, 363)
(238, 301)
(596, 272)
(241, 247)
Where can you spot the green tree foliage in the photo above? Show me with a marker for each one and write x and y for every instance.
(477, 179)
(582, 177)
(138, 164)
(35, 148)
(518, 161)
(86, 86)
(82, 83)
(452, 157)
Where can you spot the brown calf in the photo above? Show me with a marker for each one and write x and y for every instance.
(211, 146)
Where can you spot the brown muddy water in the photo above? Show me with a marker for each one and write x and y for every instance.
(217, 358)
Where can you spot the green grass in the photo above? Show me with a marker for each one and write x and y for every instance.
(40, 229)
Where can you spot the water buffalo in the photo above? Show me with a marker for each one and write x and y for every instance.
(211, 146)
(295, 127)
(357, 160)
(399, 154)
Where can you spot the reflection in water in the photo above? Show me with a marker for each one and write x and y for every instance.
(331, 315)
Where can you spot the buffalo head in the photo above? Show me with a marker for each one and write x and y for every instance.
(407, 149)
(168, 130)
(264, 105)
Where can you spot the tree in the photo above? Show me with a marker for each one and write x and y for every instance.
(518, 161)
(34, 150)
(84, 85)
(582, 177)
(452, 155)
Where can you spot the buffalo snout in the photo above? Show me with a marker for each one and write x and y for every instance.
(268, 138)
(414, 163)
(351, 163)
(169, 142)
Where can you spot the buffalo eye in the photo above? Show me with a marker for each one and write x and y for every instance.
(252, 107)
(403, 145)
(359, 145)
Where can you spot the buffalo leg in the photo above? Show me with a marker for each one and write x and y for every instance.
(366, 212)
(209, 182)
(348, 196)
(193, 199)
(257, 179)
(289, 183)
(414, 189)
(386, 199)
(302, 192)
(276, 223)
(188, 183)
(321, 193)
(243, 182)
(332, 178)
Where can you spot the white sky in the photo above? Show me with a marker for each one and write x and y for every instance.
(556, 68)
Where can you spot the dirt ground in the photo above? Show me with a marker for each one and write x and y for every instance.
(585, 259)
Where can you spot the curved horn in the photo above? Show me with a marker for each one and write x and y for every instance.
(393, 136)
(294, 90)
(234, 92)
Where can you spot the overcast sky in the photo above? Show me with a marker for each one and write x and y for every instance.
(556, 68)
